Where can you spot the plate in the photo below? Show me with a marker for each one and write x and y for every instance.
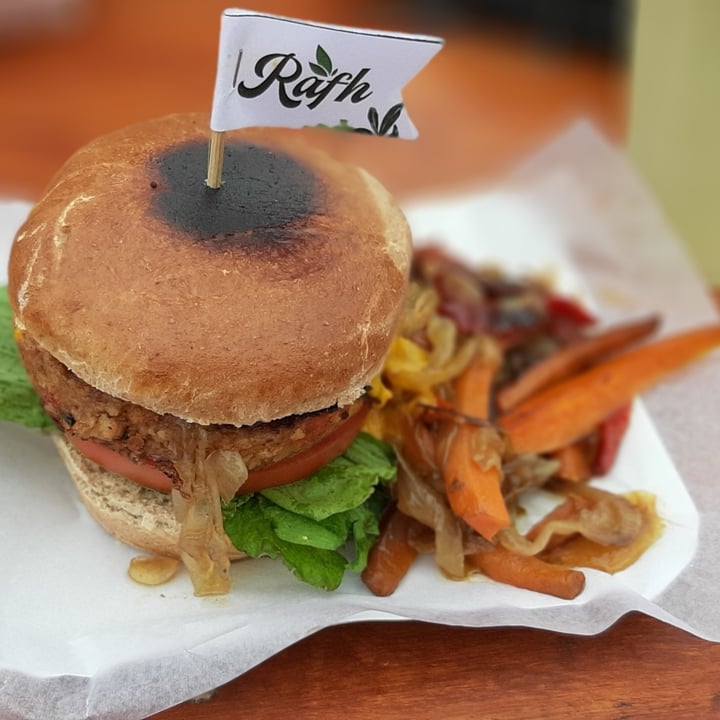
(77, 631)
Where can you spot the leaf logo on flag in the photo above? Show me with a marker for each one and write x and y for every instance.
(323, 66)
(388, 125)
(275, 71)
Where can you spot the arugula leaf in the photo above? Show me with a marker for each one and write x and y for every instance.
(313, 525)
(19, 403)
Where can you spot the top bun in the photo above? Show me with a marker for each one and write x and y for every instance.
(275, 295)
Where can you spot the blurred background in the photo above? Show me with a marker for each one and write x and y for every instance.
(512, 76)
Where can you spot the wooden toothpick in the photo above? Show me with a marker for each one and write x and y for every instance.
(215, 159)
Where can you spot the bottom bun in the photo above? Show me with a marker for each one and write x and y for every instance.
(135, 515)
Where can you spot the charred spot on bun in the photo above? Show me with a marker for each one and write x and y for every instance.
(200, 340)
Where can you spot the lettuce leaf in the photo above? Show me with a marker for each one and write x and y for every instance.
(19, 403)
(345, 483)
(323, 525)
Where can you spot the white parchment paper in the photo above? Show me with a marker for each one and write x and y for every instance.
(79, 639)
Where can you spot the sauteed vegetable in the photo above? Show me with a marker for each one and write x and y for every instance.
(495, 388)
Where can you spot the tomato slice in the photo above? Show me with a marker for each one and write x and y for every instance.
(301, 465)
(284, 472)
(141, 473)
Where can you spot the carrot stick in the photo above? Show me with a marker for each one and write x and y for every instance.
(473, 385)
(574, 462)
(473, 488)
(570, 410)
(391, 556)
(473, 491)
(527, 571)
(573, 358)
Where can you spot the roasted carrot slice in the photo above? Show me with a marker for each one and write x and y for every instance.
(391, 556)
(528, 572)
(574, 462)
(472, 484)
(573, 358)
(571, 409)
(473, 490)
(473, 385)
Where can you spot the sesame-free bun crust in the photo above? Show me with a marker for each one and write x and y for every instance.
(136, 516)
(276, 295)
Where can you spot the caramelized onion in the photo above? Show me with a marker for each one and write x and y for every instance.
(442, 335)
(228, 470)
(524, 472)
(202, 545)
(611, 520)
(414, 373)
(581, 552)
(420, 306)
(152, 570)
(429, 507)
(489, 447)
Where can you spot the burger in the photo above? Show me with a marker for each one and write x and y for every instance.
(205, 354)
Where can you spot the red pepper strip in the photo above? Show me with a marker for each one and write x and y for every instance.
(568, 319)
(561, 307)
(610, 435)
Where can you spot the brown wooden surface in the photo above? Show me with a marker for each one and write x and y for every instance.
(637, 669)
(481, 106)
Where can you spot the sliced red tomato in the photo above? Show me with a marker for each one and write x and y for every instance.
(141, 473)
(281, 473)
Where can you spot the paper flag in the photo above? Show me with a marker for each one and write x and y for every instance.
(277, 71)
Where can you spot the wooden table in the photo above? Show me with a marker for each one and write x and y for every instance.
(481, 106)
